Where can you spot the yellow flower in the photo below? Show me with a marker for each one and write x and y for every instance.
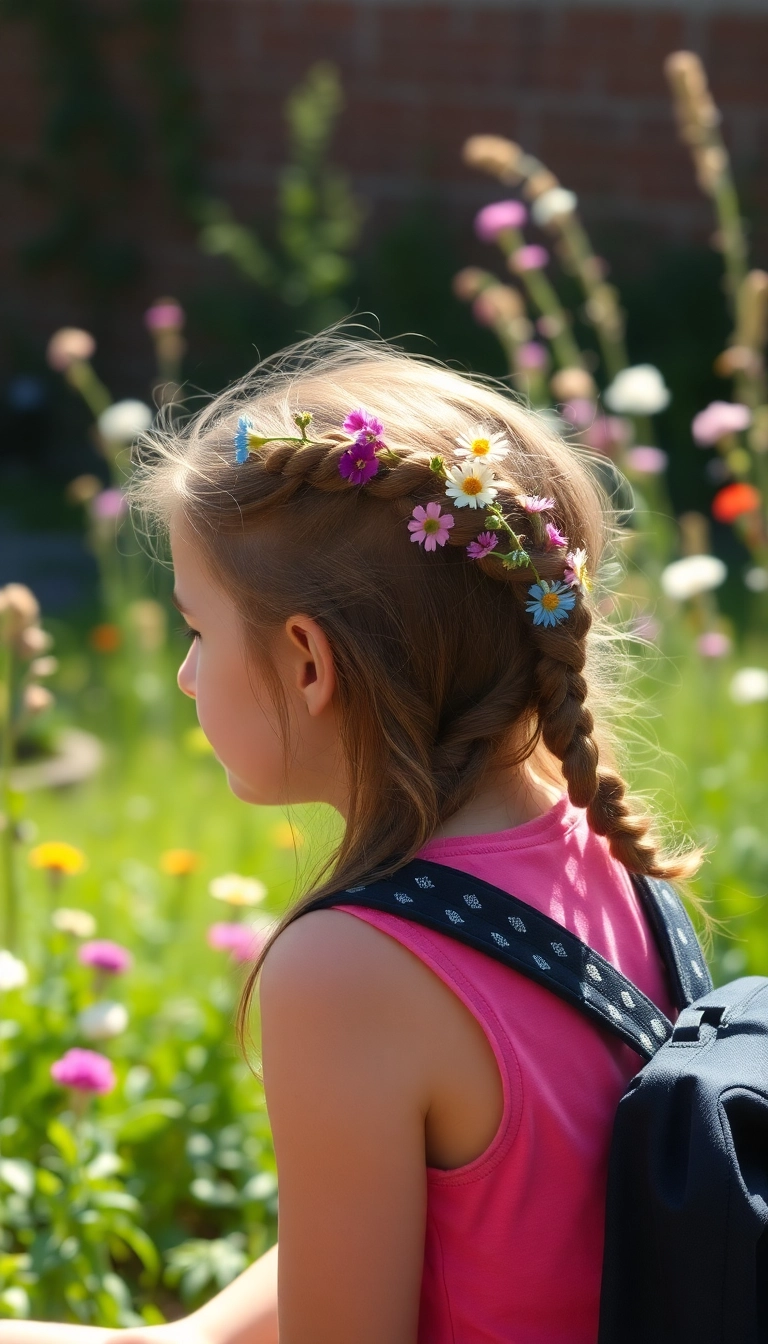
(57, 856)
(179, 862)
(237, 890)
(285, 837)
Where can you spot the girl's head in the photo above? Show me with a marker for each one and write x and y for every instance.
(339, 660)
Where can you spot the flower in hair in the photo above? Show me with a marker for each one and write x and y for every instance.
(554, 536)
(551, 602)
(483, 446)
(429, 527)
(482, 546)
(242, 445)
(471, 484)
(364, 428)
(535, 503)
(359, 463)
(576, 575)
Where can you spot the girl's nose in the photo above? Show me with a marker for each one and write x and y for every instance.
(186, 674)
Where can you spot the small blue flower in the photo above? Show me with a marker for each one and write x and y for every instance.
(551, 602)
(242, 447)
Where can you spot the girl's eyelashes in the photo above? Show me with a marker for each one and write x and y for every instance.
(188, 632)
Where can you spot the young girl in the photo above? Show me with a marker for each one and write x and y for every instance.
(386, 571)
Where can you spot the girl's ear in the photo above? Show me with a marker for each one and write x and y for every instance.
(311, 662)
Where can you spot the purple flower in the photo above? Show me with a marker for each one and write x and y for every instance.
(359, 463)
(485, 543)
(364, 428)
(85, 1070)
(535, 503)
(580, 411)
(532, 355)
(429, 527)
(108, 504)
(555, 536)
(607, 432)
(165, 315)
(714, 644)
(647, 460)
(532, 257)
(105, 956)
(718, 419)
(493, 219)
(242, 941)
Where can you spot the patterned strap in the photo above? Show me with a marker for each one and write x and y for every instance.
(687, 970)
(504, 927)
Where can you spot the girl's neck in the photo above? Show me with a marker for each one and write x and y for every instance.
(512, 799)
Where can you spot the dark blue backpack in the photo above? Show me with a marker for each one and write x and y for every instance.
(686, 1234)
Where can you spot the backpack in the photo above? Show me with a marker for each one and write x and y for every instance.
(686, 1231)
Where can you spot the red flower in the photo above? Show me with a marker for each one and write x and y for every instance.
(734, 500)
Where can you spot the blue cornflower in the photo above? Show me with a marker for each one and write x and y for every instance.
(242, 446)
(551, 602)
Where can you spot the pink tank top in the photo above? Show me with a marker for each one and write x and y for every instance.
(514, 1239)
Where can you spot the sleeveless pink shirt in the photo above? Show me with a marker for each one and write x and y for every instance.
(514, 1239)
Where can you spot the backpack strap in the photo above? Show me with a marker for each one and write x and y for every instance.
(505, 928)
(687, 970)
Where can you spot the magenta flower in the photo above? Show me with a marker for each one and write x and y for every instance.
(165, 315)
(84, 1070)
(535, 503)
(532, 355)
(718, 419)
(555, 536)
(647, 460)
(532, 257)
(105, 956)
(493, 219)
(364, 428)
(429, 527)
(108, 504)
(580, 412)
(359, 463)
(714, 644)
(240, 940)
(485, 543)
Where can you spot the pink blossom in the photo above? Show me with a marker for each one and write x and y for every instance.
(365, 428)
(84, 1070)
(105, 956)
(580, 411)
(718, 419)
(555, 536)
(429, 527)
(68, 346)
(647, 460)
(493, 219)
(108, 504)
(485, 543)
(714, 644)
(532, 355)
(535, 503)
(532, 257)
(359, 463)
(606, 433)
(242, 941)
(165, 315)
(647, 627)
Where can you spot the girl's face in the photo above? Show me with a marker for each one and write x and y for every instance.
(233, 704)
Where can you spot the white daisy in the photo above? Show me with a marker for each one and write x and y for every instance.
(471, 483)
(483, 446)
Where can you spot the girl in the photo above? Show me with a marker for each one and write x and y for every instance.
(386, 571)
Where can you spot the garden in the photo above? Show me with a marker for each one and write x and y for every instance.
(137, 1176)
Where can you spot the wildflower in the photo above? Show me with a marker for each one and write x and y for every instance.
(123, 421)
(553, 204)
(471, 484)
(576, 575)
(647, 460)
(83, 488)
(241, 940)
(36, 699)
(532, 257)
(13, 972)
(494, 219)
(429, 527)
(735, 500)
(80, 923)
(531, 355)
(242, 438)
(44, 667)
(573, 384)
(493, 154)
(498, 305)
(718, 419)
(105, 955)
(469, 282)
(105, 638)
(359, 463)
(237, 890)
(482, 546)
(554, 536)
(108, 504)
(579, 412)
(68, 346)
(32, 641)
(85, 1071)
(640, 390)
(756, 579)
(179, 862)
(607, 432)
(714, 644)
(483, 445)
(103, 1020)
(550, 602)
(365, 429)
(164, 315)
(19, 609)
(536, 504)
(749, 686)
(56, 856)
(692, 575)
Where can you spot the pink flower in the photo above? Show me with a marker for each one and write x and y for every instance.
(580, 411)
(718, 419)
(647, 460)
(555, 536)
(429, 527)
(164, 315)
(105, 956)
(365, 428)
(535, 503)
(607, 432)
(240, 940)
(647, 627)
(532, 355)
(532, 257)
(108, 504)
(714, 644)
(84, 1070)
(359, 463)
(493, 219)
(68, 346)
(485, 543)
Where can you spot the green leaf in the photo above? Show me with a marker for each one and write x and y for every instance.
(115, 1199)
(63, 1139)
(141, 1244)
(18, 1174)
(147, 1118)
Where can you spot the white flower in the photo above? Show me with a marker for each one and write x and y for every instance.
(471, 483)
(13, 973)
(482, 446)
(553, 204)
(749, 685)
(237, 890)
(694, 574)
(78, 922)
(640, 390)
(122, 421)
(756, 579)
(103, 1020)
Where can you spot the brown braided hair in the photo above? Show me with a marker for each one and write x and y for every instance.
(442, 675)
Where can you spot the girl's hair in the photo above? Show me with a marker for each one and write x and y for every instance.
(442, 674)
